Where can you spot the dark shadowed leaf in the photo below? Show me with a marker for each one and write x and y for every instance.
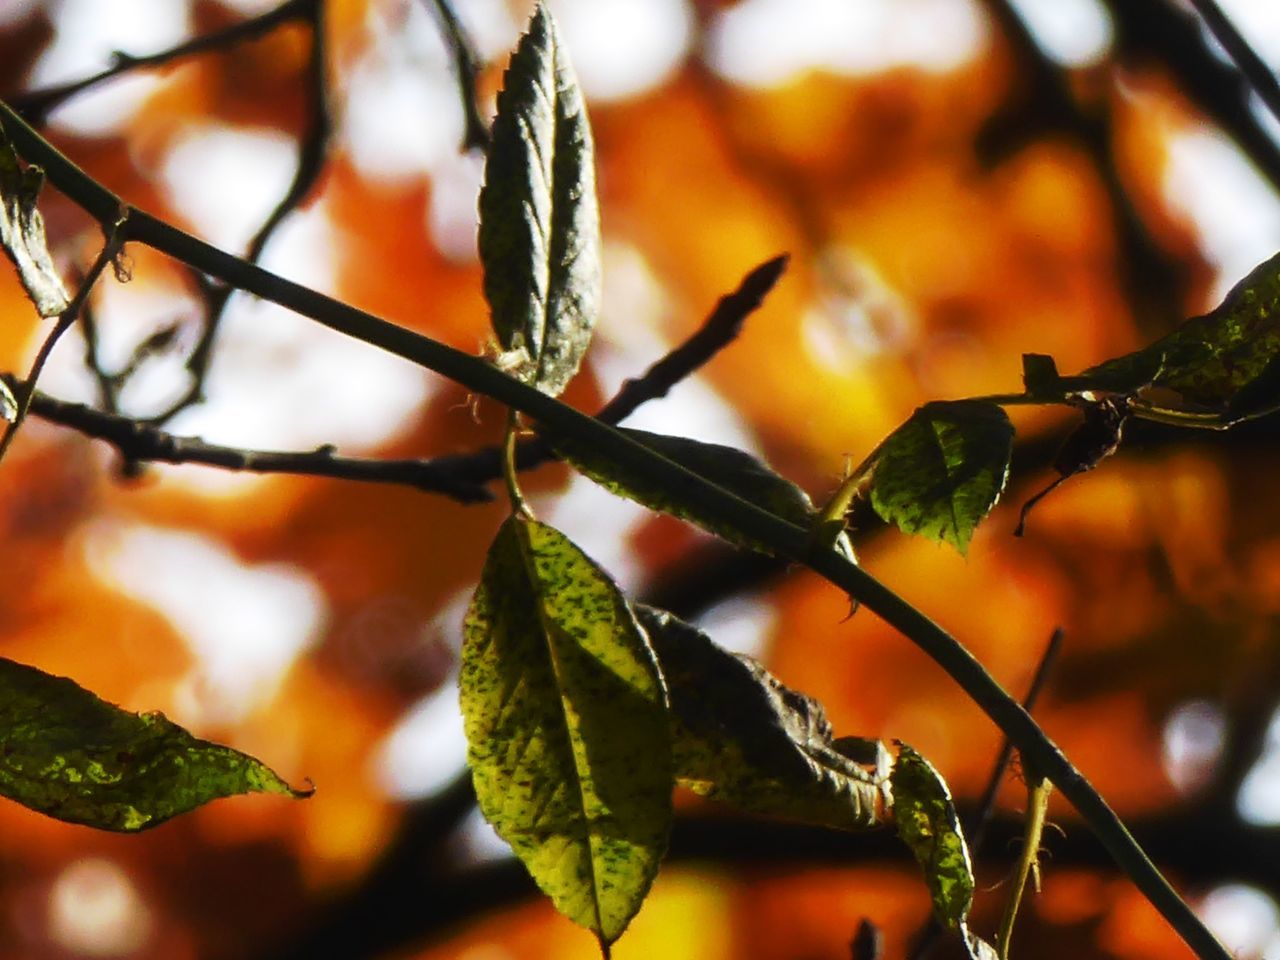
(927, 823)
(22, 232)
(741, 737)
(1211, 360)
(539, 224)
(727, 467)
(941, 472)
(567, 727)
(72, 755)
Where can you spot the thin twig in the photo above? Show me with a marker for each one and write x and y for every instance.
(312, 149)
(1246, 58)
(976, 829)
(25, 391)
(716, 503)
(460, 476)
(466, 65)
(1173, 36)
(36, 105)
(138, 442)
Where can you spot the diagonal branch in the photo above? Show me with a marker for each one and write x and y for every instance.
(460, 476)
(717, 504)
(36, 105)
(1251, 65)
(466, 65)
(26, 390)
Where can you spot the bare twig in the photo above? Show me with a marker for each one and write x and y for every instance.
(1251, 65)
(36, 105)
(25, 391)
(466, 64)
(312, 149)
(138, 442)
(460, 476)
(1173, 36)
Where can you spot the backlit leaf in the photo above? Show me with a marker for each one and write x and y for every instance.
(70, 754)
(727, 467)
(22, 232)
(539, 224)
(741, 737)
(1211, 359)
(927, 823)
(567, 727)
(941, 472)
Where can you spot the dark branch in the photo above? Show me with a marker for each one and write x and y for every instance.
(466, 64)
(461, 476)
(1161, 30)
(979, 825)
(36, 105)
(1246, 58)
(138, 442)
(312, 149)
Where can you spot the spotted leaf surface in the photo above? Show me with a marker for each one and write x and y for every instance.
(72, 755)
(539, 221)
(941, 472)
(1227, 359)
(22, 232)
(566, 722)
(928, 824)
(739, 736)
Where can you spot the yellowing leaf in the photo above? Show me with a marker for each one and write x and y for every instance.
(22, 232)
(67, 753)
(566, 723)
(741, 737)
(928, 824)
(539, 223)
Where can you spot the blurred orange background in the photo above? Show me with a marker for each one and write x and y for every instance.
(957, 182)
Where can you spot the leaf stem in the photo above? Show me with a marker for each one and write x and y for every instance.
(1038, 791)
(510, 469)
(788, 541)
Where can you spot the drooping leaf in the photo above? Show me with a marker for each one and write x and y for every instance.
(1210, 360)
(928, 824)
(941, 472)
(977, 948)
(739, 736)
(567, 727)
(539, 223)
(22, 232)
(1097, 437)
(728, 467)
(70, 754)
(8, 403)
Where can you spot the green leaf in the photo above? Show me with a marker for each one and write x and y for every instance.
(928, 824)
(941, 472)
(22, 232)
(539, 223)
(567, 728)
(739, 736)
(727, 467)
(1210, 360)
(72, 755)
